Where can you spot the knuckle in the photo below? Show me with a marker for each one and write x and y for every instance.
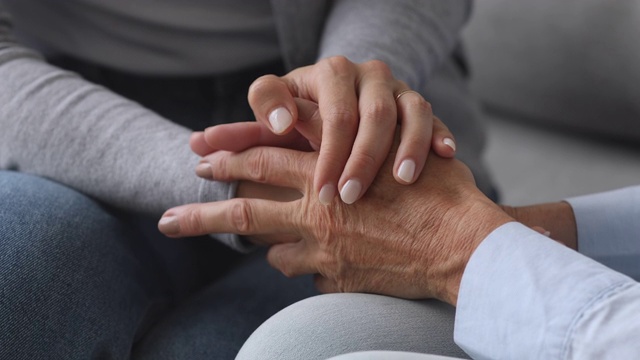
(241, 218)
(308, 168)
(364, 159)
(420, 103)
(380, 112)
(286, 270)
(256, 166)
(260, 88)
(418, 144)
(343, 117)
(193, 222)
(338, 66)
(262, 84)
(274, 258)
(380, 67)
(277, 260)
(220, 162)
(402, 84)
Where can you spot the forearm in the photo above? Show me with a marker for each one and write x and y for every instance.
(413, 36)
(601, 226)
(57, 125)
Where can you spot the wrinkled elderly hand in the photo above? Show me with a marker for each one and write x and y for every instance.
(360, 105)
(405, 241)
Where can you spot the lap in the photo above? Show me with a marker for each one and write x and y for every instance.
(79, 280)
(334, 324)
(215, 322)
(76, 280)
(389, 355)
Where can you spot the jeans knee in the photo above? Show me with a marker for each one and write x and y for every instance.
(69, 286)
(48, 230)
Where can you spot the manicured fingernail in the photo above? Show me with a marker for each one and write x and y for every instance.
(350, 191)
(169, 225)
(450, 143)
(280, 119)
(327, 193)
(204, 170)
(406, 170)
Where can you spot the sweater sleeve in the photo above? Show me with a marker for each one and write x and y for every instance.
(413, 36)
(56, 125)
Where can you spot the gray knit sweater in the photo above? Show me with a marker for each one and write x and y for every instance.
(56, 125)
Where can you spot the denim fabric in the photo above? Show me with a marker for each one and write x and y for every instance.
(80, 281)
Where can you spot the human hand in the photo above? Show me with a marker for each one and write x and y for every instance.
(360, 106)
(237, 137)
(556, 219)
(411, 242)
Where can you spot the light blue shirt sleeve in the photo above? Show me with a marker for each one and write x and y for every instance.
(525, 296)
(608, 227)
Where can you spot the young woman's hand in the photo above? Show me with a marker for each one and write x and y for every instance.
(346, 111)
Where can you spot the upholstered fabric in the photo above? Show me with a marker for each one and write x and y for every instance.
(570, 63)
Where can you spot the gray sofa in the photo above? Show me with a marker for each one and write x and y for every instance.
(560, 85)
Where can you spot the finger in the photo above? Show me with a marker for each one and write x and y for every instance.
(325, 285)
(309, 123)
(237, 216)
(416, 129)
(199, 145)
(265, 165)
(542, 230)
(443, 142)
(378, 121)
(338, 107)
(271, 99)
(292, 259)
(272, 239)
(241, 136)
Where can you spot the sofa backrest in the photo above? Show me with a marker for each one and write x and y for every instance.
(568, 63)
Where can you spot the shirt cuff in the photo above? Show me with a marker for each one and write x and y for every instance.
(218, 191)
(608, 228)
(522, 292)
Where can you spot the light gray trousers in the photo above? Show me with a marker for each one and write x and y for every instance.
(330, 325)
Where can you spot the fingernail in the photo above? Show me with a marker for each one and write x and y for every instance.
(204, 170)
(350, 191)
(547, 233)
(169, 225)
(327, 193)
(280, 119)
(406, 170)
(450, 143)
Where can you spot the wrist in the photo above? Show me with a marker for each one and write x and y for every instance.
(467, 225)
(557, 218)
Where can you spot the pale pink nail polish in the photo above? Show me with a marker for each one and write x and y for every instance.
(327, 193)
(169, 225)
(407, 170)
(350, 191)
(204, 170)
(280, 119)
(450, 143)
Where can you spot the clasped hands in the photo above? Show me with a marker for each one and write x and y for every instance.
(406, 241)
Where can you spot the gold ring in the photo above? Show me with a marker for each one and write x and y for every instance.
(405, 92)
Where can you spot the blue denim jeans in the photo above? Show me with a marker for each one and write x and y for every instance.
(82, 281)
